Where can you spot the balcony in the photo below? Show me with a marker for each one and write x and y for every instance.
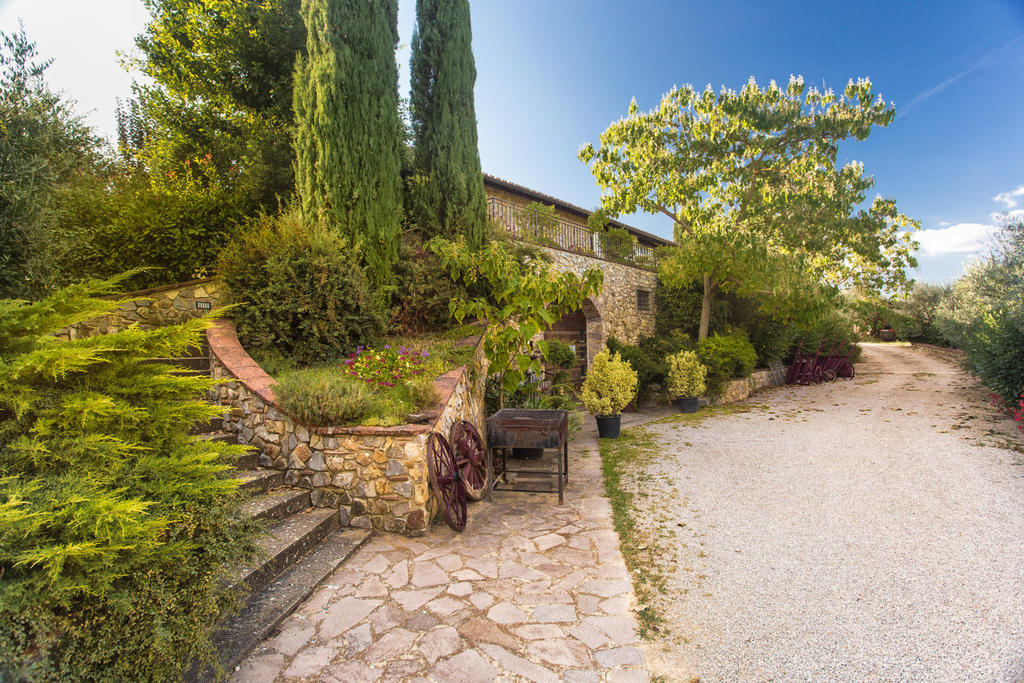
(558, 233)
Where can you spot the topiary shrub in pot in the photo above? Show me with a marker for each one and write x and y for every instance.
(686, 375)
(609, 387)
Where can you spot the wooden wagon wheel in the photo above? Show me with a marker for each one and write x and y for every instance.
(469, 457)
(446, 480)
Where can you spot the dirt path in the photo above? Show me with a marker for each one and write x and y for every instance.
(869, 529)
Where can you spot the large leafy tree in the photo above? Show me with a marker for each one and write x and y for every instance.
(760, 204)
(450, 193)
(348, 135)
(44, 145)
(222, 86)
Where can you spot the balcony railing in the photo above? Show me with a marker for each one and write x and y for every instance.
(555, 232)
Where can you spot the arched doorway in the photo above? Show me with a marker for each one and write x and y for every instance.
(582, 330)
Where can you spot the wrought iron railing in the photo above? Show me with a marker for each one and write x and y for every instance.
(558, 233)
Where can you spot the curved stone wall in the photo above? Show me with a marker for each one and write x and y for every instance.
(375, 476)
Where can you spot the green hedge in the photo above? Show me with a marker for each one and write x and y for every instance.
(299, 290)
(726, 357)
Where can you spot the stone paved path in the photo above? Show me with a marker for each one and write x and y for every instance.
(529, 591)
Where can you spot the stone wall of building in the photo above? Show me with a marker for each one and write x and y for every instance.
(152, 308)
(615, 311)
(376, 476)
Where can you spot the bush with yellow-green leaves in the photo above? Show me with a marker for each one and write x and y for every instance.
(610, 385)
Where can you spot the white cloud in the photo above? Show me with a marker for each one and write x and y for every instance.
(962, 238)
(1008, 198)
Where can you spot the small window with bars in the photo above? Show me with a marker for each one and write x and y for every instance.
(643, 300)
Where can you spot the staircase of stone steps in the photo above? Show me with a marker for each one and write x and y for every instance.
(303, 546)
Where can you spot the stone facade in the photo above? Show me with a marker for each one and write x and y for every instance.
(376, 476)
(615, 311)
(152, 308)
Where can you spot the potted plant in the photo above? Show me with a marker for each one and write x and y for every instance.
(686, 375)
(609, 387)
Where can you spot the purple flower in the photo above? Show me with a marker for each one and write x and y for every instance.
(425, 354)
(387, 347)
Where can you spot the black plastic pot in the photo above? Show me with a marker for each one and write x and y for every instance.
(608, 427)
(687, 405)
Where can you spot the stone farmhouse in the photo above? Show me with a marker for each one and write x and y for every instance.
(625, 308)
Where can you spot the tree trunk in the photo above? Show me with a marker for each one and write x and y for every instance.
(705, 308)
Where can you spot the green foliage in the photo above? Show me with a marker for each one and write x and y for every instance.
(348, 136)
(686, 375)
(677, 307)
(610, 385)
(984, 313)
(451, 199)
(299, 290)
(833, 330)
(326, 396)
(221, 75)
(771, 336)
(617, 244)
(751, 180)
(174, 229)
(560, 355)
(917, 313)
(523, 297)
(726, 357)
(44, 146)
(422, 289)
(647, 358)
(323, 396)
(117, 528)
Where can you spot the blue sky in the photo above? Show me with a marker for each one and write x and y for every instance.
(553, 75)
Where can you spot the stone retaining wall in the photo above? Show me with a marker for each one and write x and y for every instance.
(156, 307)
(739, 389)
(376, 476)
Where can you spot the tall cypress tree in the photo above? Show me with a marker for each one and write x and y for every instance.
(348, 132)
(444, 120)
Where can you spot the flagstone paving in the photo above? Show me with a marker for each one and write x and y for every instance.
(531, 590)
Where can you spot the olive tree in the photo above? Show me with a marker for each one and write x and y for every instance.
(760, 205)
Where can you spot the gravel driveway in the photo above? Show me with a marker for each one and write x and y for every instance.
(864, 530)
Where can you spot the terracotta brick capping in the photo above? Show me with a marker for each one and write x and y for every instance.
(225, 347)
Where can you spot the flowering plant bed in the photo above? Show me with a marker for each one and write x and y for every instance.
(377, 386)
(387, 366)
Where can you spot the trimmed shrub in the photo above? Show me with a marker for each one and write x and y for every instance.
(610, 385)
(299, 289)
(686, 375)
(117, 528)
(726, 357)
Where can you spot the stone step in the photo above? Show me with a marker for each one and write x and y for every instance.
(276, 504)
(264, 611)
(221, 436)
(215, 424)
(288, 540)
(260, 480)
(187, 362)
